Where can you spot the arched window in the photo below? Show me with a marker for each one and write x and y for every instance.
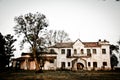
(82, 51)
(75, 51)
(52, 51)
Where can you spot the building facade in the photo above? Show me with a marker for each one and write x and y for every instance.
(76, 55)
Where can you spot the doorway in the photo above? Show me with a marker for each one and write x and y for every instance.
(80, 66)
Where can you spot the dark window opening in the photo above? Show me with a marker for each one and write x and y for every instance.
(63, 65)
(104, 51)
(68, 52)
(75, 51)
(89, 64)
(51, 61)
(94, 64)
(68, 64)
(62, 51)
(104, 63)
(88, 51)
(82, 51)
(94, 51)
(52, 51)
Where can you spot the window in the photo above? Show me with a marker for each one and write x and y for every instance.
(75, 51)
(62, 51)
(51, 61)
(104, 51)
(52, 51)
(63, 65)
(104, 63)
(89, 64)
(82, 51)
(94, 51)
(68, 52)
(94, 64)
(68, 64)
(88, 51)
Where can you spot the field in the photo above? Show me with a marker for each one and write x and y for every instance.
(60, 75)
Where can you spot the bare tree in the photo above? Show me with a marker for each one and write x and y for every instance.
(59, 36)
(31, 26)
(62, 36)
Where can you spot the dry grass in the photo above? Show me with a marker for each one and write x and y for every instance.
(60, 75)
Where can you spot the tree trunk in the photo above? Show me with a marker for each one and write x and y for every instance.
(27, 64)
(35, 59)
(36, 64)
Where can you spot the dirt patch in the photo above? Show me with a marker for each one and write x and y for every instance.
(61, 75)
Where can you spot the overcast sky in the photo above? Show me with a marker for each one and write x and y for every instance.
(88, 20)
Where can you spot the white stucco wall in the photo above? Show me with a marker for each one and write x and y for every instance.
(98, 57)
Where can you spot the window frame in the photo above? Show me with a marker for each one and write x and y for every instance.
(75, 51)
(104, 63)
(94, 64)
(51, 61)
(82, 51)
(88, 51)
(103, 51)
(94, 51)
(52, 51)
(62, 51)
(68, 52)
(63, 65)
(69, 64)
(89, 64)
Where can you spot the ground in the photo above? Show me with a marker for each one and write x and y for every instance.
(60, 75)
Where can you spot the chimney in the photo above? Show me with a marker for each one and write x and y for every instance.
(105, 40)
(99, 40)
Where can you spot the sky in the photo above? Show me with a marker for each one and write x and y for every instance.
(88, 20)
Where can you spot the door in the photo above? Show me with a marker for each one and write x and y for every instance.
(80, 66)
(63, 65)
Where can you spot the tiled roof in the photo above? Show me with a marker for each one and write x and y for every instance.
(70, 45)
(91, 44)
(63, 45)
(30, 54)
(31, 58)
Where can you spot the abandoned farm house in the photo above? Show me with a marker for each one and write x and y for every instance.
(76, 55)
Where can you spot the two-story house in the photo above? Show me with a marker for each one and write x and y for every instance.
(83, 55)
(76, 55)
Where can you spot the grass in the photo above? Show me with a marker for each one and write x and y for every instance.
(60, 75)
